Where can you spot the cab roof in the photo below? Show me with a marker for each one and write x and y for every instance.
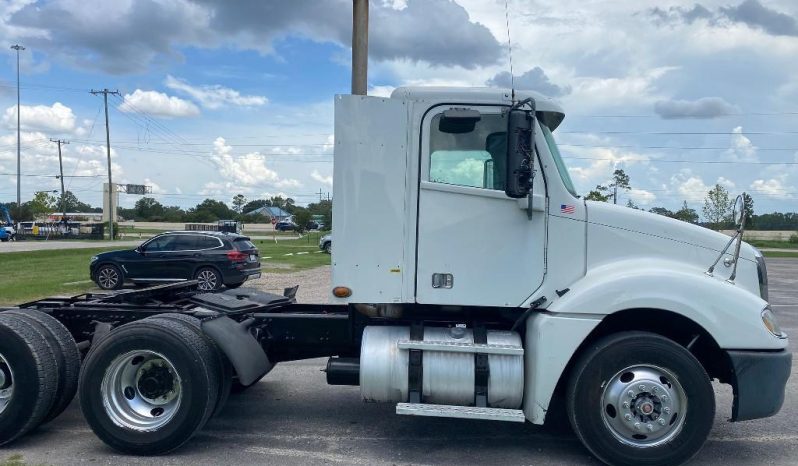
(547, 108)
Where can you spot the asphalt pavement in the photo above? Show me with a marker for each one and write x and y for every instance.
(292, 417)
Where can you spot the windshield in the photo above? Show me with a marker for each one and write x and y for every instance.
(555, 154)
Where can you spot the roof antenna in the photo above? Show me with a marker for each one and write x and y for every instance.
(510, 49)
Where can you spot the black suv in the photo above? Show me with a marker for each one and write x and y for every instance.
(213, 259)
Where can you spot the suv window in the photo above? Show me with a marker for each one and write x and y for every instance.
(161, 244)
(476, 158)
(186, 243)
(242, 244)
(207, 242)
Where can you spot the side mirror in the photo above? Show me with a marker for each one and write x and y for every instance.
(458, 121)
(520, 143)
(738, 212)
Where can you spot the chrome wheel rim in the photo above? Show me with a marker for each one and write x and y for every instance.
(141, 391)
(6, 383)
(206, 280)
(644, 406)
(108, 277)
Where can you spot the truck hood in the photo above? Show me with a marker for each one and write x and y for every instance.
(640, 222)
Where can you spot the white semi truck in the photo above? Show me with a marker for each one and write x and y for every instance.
(469, 281)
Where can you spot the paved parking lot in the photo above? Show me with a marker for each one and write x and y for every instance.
(293, 417)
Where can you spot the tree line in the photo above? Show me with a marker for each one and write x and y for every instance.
(717, 207)
(148, 209)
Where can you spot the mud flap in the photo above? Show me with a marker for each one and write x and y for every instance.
(241, 348)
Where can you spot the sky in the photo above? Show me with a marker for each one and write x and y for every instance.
(218, 98)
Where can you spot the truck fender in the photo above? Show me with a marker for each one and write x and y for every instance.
(551, 341)
(240, 346)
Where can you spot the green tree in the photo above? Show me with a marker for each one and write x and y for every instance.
(238, 202)
(301, 217)
(42, 203)
(148, 209)
(73, 204)
(686, 214)
(717, 207)
(630, 204)
(661, 211)
(620, 181)
(748, 203)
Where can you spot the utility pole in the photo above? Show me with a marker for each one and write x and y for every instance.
(321, 193)
(360, 46)
(111, 206)
(18, 47)
(61, 177)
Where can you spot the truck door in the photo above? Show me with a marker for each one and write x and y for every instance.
(476, 246)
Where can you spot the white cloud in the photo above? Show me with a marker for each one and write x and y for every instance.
(214, 96)
(323, 179)
(726, 183)
(590, 92)
(56, 118)
(641, 196)
(689, 186)
(741, 149)
(287, 183)
(773, 187)
(158, 104)
(381, 91)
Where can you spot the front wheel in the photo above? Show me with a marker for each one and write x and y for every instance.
(639, 398)
(109, 277)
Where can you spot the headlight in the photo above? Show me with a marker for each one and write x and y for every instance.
(93, 259)
(770, 322)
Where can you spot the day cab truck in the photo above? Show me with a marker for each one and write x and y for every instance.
(468, 281)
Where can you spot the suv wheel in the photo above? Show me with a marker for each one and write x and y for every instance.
(208, 279)
(109, 277)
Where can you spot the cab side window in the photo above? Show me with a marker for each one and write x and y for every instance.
(476, 158)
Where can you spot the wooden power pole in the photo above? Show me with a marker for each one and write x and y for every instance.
(111, 206)
(61, 177)
(360, 46)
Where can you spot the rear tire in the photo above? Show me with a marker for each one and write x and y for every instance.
(208, 279)
(29, 377)
(109, 277)
(327, 247)
(148, 386)
(637, 398)
(67, 359)
(224, 368)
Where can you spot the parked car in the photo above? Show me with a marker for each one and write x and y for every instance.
(213, 259)
(285, 226)
(325, 243)
(4, 236)
(312, 225)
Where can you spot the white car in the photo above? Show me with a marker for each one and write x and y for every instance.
(325, 243)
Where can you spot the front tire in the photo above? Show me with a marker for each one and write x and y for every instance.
(637, 398)
(109, 277)
(148, 386)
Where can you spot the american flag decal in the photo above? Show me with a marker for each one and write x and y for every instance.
(566, 209)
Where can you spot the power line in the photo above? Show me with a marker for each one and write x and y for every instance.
(722, 162)
(621, 146)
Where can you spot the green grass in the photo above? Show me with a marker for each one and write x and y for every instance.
(788, 254)
(768, 243)
(26, 276)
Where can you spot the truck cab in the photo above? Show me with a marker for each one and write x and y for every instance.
(429, 215)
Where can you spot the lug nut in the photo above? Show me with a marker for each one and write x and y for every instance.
(628, 417)
(631, 394)
(649, 427)
(637, 425)
(661, 421)
(664, 397)
(642, 387)
(654, 389)
(626, 404)
(666, 410)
